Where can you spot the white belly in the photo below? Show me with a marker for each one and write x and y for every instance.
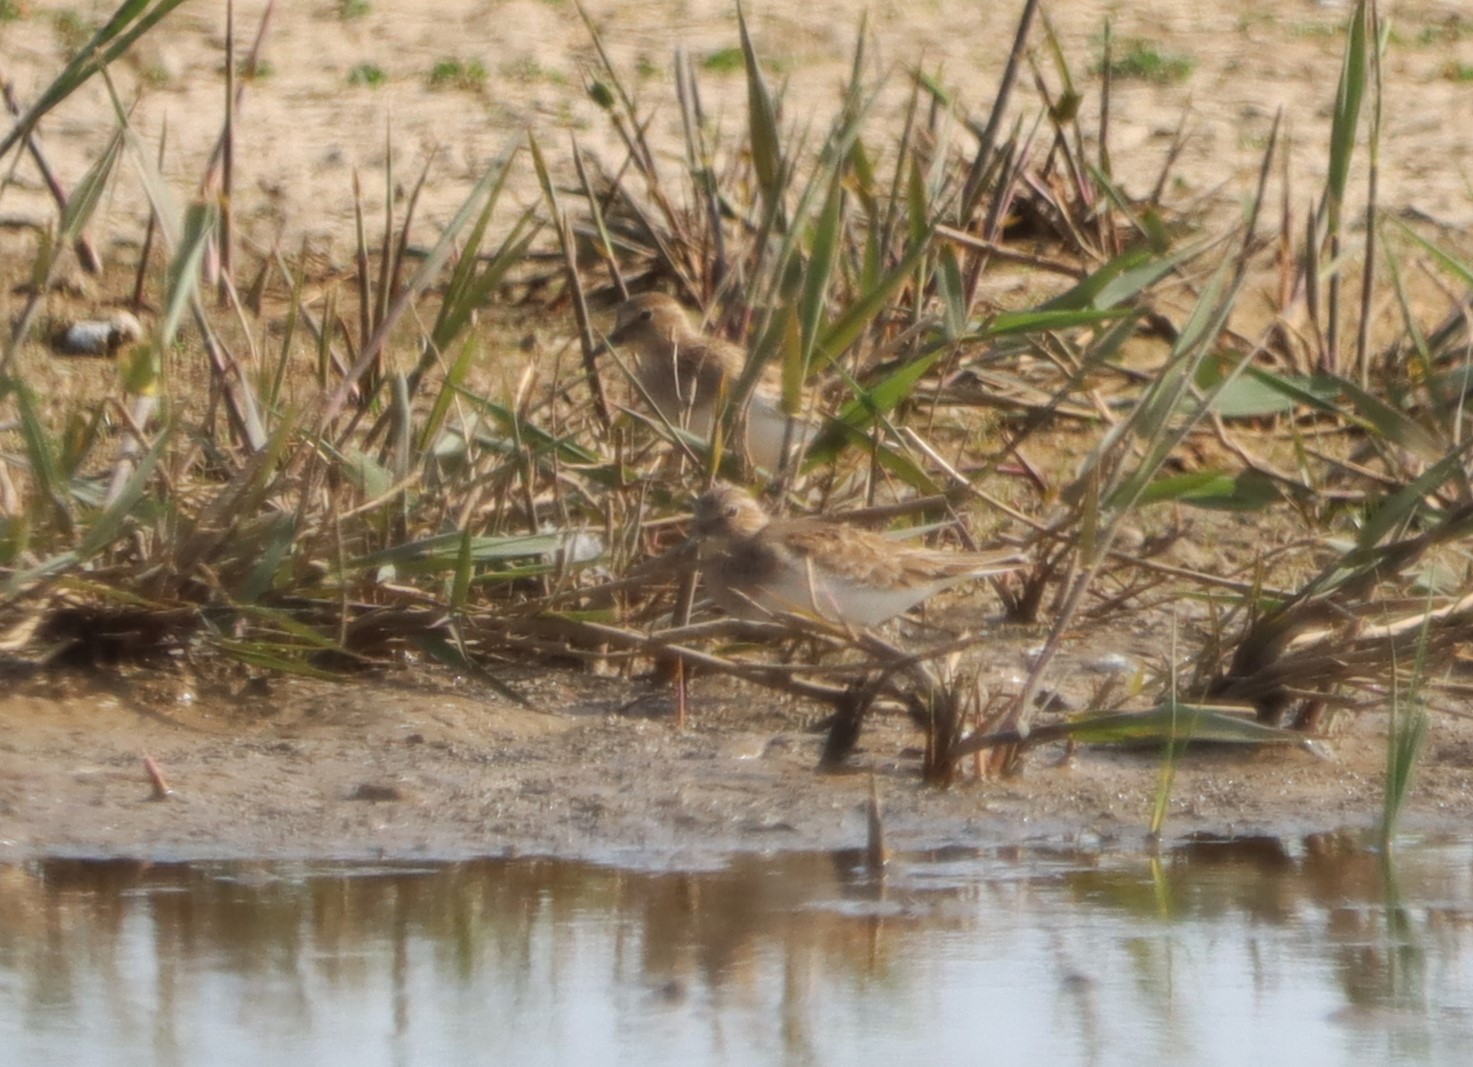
(833, 598)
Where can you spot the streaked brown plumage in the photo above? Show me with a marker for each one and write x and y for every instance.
(689, 376)
(754, 566)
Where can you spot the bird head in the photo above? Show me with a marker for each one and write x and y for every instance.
(726, 511)
(649, 316)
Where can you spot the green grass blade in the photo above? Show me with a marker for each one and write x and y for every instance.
(885, 395)
(41, 453)
(1121, 279)
(276, 546)
(1406, 733)
(466, 289)
(460, 588)
(455, 375)
(1040, 321)
(442, 552)
(1170, 407)
(1217, 490)
(849, 326)
(305, 636)
(766, 140)
(266, 656)
(1457, 267)
(182, 280)
(952, 290)
(540, 441)
(87, 193)
(429, 269)
(1176, 722)
(1316, 392)
(1399, 508)
(111, 524)
(132, 20)
(826, 237)
(453, 655)
(1390, 423)
(1348, 98)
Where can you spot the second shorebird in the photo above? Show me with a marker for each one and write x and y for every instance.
(755, 567)
(689, 378)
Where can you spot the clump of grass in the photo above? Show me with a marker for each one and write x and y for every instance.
(1450, 31)
(528, 70)
(1140, 60)
(1303, 652)
(724, 61)
(1250, 20)
(71, 30)
(465, 74)
(369, 74)
(1454, 71)
(255, 69)
(156, 76)
(1406, 732)
(1171, 747)
(349, 10)
(13, 10)
(1316, 30)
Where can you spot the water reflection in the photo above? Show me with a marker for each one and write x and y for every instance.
(1214, 952)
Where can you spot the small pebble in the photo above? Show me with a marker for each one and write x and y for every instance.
(98, 337)
(1110, 663)
(374, 791)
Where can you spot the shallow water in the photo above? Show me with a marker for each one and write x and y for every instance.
(1254, 951)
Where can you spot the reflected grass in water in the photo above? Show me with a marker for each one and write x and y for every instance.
(1215, 949)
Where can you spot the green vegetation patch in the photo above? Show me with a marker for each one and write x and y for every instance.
(1136, 59)
(468, 74)
(369, 74)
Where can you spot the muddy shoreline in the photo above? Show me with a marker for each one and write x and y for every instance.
(415, 765)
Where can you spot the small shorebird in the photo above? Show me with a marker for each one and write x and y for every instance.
(689, 377)
(755, 566)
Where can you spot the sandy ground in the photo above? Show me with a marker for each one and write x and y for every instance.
(304, 129)
(416, 763)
